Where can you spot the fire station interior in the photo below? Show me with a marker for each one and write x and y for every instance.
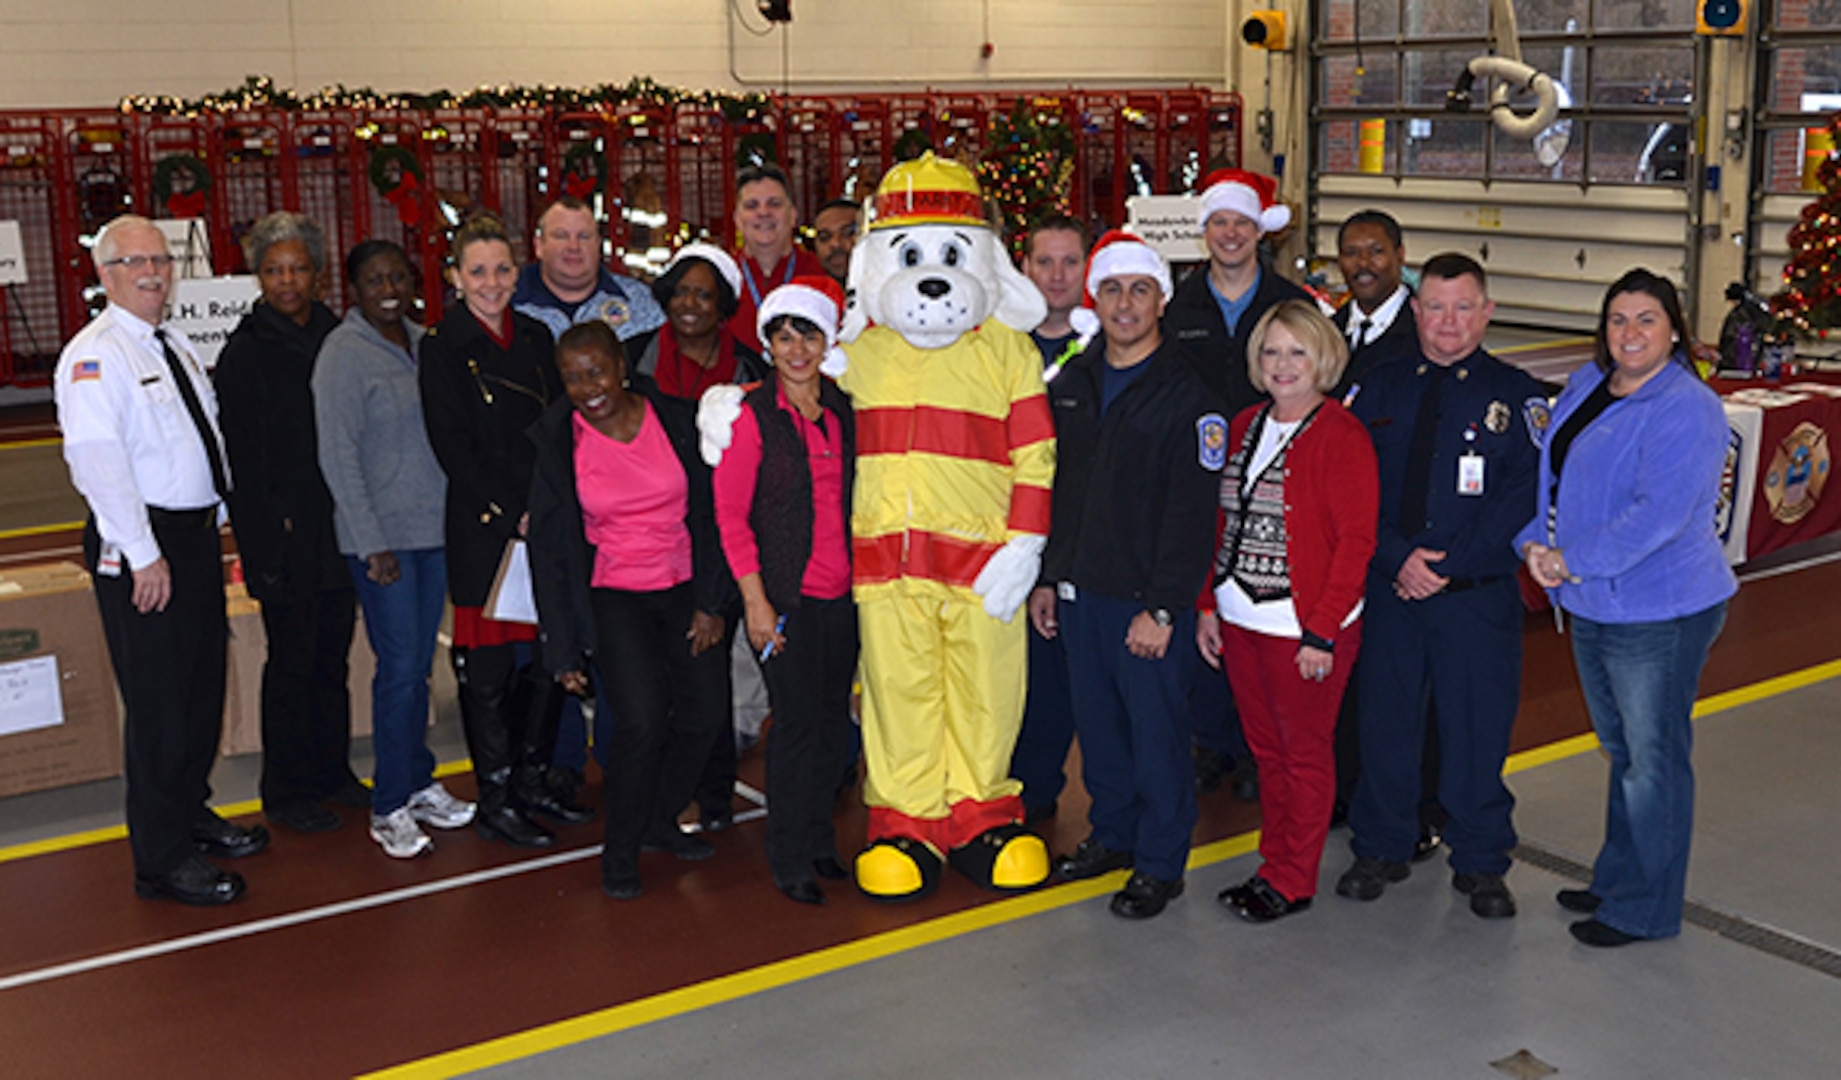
(1558, 142)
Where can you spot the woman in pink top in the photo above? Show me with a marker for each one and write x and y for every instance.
(782, 501)
(629, 576)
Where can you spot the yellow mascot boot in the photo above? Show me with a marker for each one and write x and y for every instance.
(898, 869)
(1008, 858)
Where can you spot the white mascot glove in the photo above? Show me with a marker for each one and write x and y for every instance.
(1008, 576)
(716, 415)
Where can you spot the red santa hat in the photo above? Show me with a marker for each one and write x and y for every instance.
(818, 300)
(1248, 194)
(1115, 254)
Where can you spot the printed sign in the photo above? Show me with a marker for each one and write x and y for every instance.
(207, 309)
(1167, 223)
(12, 254)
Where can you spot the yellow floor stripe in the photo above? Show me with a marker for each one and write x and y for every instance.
(782, 973)
(39, 530)
(1532, 346)
(27, 444)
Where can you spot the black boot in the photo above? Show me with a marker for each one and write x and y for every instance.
(484, 678)
(499, 819)
(534, 794)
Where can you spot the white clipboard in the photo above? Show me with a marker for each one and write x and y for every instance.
(510, 599)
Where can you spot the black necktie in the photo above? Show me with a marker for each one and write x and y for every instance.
(1418, 485)
(1361, 332)
(198, 414)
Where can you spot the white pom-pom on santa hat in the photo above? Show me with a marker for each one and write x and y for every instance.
(1249, 194)
(817, 300)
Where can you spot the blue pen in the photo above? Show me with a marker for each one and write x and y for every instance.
(778, 626)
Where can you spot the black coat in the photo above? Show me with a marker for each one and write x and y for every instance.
(1135, 492)
(477, 401)
(562, 561)
(1193, 325)
(1399, 341)
(279, 504)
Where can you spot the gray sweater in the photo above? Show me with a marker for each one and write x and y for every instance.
(388, 490)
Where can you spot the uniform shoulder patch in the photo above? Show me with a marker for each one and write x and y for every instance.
(614, 311)
(1211, 441)
(85, 370)
(1538, 415)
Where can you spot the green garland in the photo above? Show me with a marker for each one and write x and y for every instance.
(260, 92)
(381, 157)
(171, 164)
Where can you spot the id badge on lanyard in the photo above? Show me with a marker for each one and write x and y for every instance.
(1470, 467)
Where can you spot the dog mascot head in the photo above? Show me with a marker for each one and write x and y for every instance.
(930, 267)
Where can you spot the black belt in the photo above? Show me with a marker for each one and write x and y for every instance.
(204, 517)
(1459, 584)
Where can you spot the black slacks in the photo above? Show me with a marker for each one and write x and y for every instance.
(306, 704)
(808, 685)
(170, 667)
(668, 706)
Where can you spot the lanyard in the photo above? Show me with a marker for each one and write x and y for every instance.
(754, 290)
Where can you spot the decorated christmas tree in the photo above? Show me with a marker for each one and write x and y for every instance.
(1028, 160)
(1811, 297)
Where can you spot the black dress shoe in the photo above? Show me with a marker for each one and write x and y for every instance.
(539, 799)
(304, 817)
(1369, 878)
(1258, 902)
(1489, 895)
(622, 886)
(227, 839)
(1599, 936)
(682, 844)
(352, 793)
(804, 892)
(1091, 859)
(1145, 897)
(717, 820)
(507, 824)
(1582, 901)
(1427, 845)
(829, 868)
(1235, 896)
(193, 881)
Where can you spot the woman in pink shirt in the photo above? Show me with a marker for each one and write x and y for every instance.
(629, 576)
(782, 502)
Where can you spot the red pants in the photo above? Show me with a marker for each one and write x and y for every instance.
(1290, 725)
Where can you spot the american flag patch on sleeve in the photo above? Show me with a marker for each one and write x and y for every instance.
(85, 369)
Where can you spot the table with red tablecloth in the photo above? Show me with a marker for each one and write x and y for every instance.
(1775, 491)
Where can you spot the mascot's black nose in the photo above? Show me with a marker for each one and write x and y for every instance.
(933, 288)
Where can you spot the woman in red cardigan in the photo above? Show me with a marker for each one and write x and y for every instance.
(1299, 501)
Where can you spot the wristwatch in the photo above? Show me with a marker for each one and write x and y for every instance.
(1161, 616)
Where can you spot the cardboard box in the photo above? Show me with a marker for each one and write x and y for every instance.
(58, 703)
(243, 692)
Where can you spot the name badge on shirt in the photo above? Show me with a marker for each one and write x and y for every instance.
(1470, 473)
(1066, 591)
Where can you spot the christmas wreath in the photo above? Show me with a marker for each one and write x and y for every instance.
(404, 192)
(180, 198)
(584, 170)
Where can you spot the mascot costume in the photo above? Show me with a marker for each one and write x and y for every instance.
(955, 459)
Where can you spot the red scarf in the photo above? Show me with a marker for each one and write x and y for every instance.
(501, 335)
(679, 376)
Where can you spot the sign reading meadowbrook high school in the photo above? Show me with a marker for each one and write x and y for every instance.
(1167, 223)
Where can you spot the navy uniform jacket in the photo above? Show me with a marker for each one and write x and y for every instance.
(1217, 352)
(1400, 341)
(1481, 395)
(1135, 492)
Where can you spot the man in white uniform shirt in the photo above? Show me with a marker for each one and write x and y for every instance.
(141, 439)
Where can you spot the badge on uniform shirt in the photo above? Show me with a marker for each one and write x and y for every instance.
(1496, 418)
(614, 312)
(1470, 473)
(1211, 441)
(108, 560)
(85, 370)
(1539, 415)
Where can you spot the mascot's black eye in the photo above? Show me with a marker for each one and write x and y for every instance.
(909, 254)
(951, 256)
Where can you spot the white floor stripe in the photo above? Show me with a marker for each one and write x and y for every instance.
(282, 922)
(1790, 568)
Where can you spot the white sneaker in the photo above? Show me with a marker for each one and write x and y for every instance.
(399, 834)
(433, 805)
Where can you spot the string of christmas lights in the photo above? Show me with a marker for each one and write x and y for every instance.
(1811, 298)
(1027, 164)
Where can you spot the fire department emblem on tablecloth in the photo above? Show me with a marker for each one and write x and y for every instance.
(1798, 472)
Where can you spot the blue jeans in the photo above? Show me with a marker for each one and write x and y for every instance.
(1639, 681)
(401, 619)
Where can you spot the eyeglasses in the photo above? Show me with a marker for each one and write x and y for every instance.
(137, 263)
